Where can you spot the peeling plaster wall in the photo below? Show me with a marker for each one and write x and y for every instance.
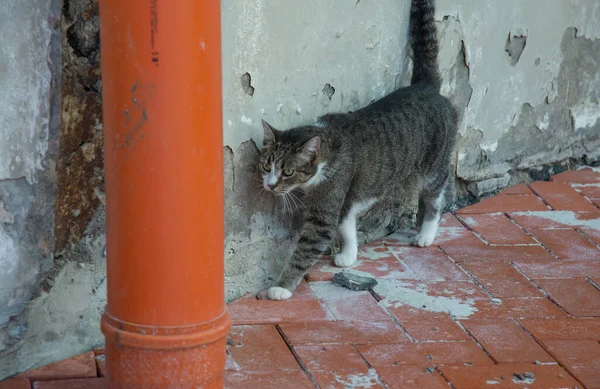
(29, 110)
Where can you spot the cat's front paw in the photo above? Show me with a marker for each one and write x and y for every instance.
(277, 293)
(344, 260)
(424, 240)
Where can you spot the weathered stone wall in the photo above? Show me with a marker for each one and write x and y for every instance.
(524, 76)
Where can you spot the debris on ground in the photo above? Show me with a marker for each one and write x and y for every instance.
(525, 378)
(353, 281)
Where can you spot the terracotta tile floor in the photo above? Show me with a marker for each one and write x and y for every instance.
(508, 298)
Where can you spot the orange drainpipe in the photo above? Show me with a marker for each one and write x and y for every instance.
(165, 322)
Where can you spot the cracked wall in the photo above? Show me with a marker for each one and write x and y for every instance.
(526, 87)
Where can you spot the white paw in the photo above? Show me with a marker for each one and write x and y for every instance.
(344, 259)
(424, 240)
(277, 293)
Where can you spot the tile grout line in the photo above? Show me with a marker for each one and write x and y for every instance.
(534, 237)
(487, 353)
(393, 317)
(369, 366)
(595, 285)
(539, 288)
(586, 238)
(543, 346)
(468, 227)
(296, 356)
(471, 276)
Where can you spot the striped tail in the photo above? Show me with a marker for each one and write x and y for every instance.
(424, 43)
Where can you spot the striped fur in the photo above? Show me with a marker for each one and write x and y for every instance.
(398, 147)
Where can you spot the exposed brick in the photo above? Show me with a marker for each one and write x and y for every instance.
(501, 376)
(272, 312)
(429, 264)
(559, 269)
(502, 280)
(497, 253)
(505, 204)
(359, 332)
(563, 329)
(497, 229)
(581, 176)
(88, 383)
(592, 234)
(345, 379)
(424, 354)
(267, 380)
(101, 365)
(331, 357)
(592, 192)
(260, 348)
(450, 231)
(519, 189)
(80, 366)
(581, 357)
(346, 304)
(553, 219)
(15, 383)
(411, 377)
(506, 341)
(428, 326)
(561, 197)
(387, 267)
(568, 244)
(526, 308)
(576, 296)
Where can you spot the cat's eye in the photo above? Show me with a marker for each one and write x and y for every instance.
(266, 167)
(288, 172)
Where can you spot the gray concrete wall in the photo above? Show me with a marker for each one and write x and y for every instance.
(522, 73)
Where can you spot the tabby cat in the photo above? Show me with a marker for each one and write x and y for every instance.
(396, 147)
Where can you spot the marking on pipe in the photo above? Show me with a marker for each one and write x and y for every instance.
(154, 31)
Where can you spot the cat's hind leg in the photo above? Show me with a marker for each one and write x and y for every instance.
(431, 205)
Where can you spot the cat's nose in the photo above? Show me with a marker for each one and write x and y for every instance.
(271, 186)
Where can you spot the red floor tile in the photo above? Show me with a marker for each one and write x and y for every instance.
(503, 376)
(580, 357)
(424, 354)
(502, 280)
(387, 267)
(429, 264)
(267, 311)
(576, 296)
(519, 189)
(497, 253)
(563, 329)
(260, 348)
(101, 365)
(496, 228)
(505, 204)
(559, 269)
(450, 231)
(581, 176)
(349, 305)
(428, 326)
(331, 357)
(561, 197)
(347, 379)
(567, 244)
(359, 332)
(267, 380)
(15, 383)
(411, 377)
(592, 192)
(89, 383)
(592, 234)
(457, 289)
(506, 341)
(80, 366)
(553, 219)
(526, 308)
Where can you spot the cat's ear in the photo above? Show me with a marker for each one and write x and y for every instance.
(270, 134)
(311, 147)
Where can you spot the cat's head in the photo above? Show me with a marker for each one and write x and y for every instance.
(287, 161)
